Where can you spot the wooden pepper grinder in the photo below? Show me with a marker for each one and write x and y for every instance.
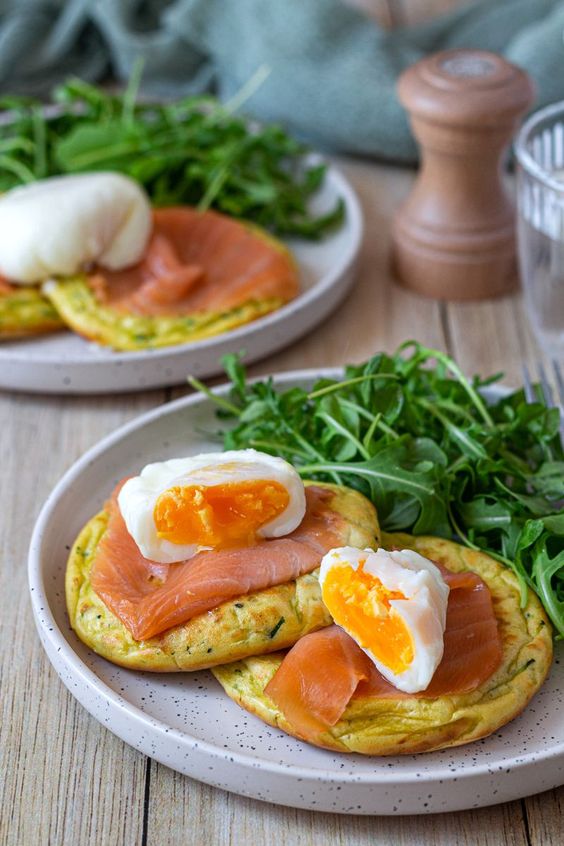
(454, 238)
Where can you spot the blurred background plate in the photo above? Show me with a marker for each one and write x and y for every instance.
(65, 363)
(186, 721)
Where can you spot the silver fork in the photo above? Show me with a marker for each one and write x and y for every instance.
(546, 388)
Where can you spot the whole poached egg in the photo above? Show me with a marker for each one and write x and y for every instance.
(62, 225)
(393, 604)
(177, 508)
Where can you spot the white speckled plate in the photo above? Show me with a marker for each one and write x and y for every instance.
(65, 363)
(188, 723)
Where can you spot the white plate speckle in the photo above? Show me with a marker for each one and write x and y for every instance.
(188, 723)
(65, 363)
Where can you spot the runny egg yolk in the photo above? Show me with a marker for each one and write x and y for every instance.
(218, 515)
(360, 603)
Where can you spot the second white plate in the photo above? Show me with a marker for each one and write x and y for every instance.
(65, 363)
(187, 722)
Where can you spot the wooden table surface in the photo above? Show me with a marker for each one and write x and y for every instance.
(66, 780)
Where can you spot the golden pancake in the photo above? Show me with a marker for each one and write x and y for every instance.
(121, 311)
(24, 311)
(384, 726)
(254, 624)
(75, 302)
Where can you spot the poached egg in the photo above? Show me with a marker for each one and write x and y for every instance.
(393, 604)
(61, 225)
(177, 508)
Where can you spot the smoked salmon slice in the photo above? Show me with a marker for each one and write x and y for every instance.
(317, 679)
(199, 261)
(326, 669)
(150, 598)
(472, 644)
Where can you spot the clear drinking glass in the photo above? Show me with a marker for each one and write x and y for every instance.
(539, 148)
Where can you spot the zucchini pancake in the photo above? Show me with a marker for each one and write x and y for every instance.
(395, 644)
(87, 251)
(203, 273)
(230, 618)
(25, 312)
(329, 693)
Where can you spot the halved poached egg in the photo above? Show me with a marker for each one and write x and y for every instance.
(393, 604)
(174, 509)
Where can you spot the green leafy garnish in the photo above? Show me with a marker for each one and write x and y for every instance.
(417, 437)
(193, 151)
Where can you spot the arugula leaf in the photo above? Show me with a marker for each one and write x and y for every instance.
(405, 466)
(485, 514)
(540, 553)
(194, 151)
(412, 433)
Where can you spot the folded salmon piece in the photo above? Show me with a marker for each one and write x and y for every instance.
(199, 261)
(317, 679)
(150, 598)
(326, 669)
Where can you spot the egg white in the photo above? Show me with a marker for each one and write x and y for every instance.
(138, 496)
(423, 610)
(57, 226)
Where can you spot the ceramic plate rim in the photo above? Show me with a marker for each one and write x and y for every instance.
(49, 629)
(354, 215)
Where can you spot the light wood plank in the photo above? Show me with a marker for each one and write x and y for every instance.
(492, 336)
(545, 817)
(185, 813)
(63, 778)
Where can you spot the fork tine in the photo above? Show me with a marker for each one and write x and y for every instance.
(546, 386)
(559, 377)
(532, 392)
(528, 385)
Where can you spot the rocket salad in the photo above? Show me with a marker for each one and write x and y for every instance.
(416, 436)
(194, 151)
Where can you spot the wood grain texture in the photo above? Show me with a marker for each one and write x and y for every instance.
(545, 817)
(509, 341)
(63, 778)
(66, 780)
(183, 813)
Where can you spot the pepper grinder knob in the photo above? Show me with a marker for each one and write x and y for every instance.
(454, 238)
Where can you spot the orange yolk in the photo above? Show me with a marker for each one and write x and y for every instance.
(360, 603)
(219, 515)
